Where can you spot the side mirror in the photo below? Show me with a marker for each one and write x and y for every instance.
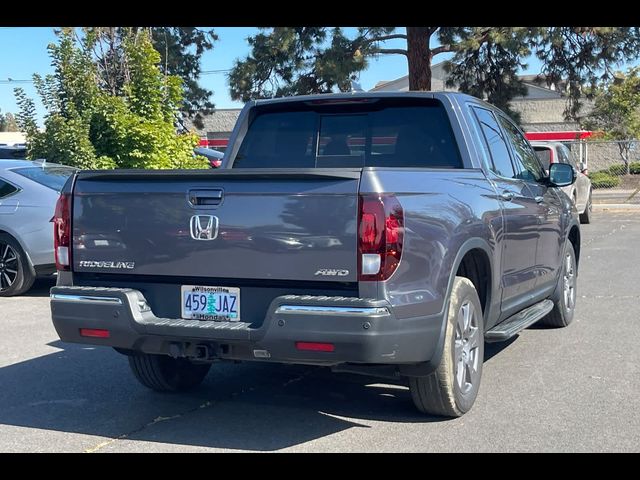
(561, 174)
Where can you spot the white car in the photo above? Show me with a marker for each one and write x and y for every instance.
(28, 194)
(580, 191)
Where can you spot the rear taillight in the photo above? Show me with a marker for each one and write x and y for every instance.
(62, 232)
(380, 236)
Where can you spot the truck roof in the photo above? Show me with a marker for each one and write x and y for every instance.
(364, 95)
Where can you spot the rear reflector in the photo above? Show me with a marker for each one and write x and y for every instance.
(315, 347)
(94, 332)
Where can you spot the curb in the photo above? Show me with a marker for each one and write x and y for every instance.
(616, 206)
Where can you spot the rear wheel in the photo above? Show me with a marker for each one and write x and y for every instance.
(585, 217)
(166, 374)
(452, 389)
(16, 274)
(564, 297)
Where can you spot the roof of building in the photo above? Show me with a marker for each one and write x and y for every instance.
(438, 79)
(220, 120)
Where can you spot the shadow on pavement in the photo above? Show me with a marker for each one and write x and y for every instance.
(41, 287)
(249, 406)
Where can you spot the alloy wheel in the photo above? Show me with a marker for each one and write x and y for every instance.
(8, 266)
(466, 347)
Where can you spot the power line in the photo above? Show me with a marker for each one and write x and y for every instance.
(11, 80)
(212, 72)
(14, 81)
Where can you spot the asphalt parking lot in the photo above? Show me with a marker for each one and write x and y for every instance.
(574, 389)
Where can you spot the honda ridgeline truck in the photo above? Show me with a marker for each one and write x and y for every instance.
(382, 233)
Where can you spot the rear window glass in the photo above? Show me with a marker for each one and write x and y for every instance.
(53, 177)
(544, 154)
(392, 136)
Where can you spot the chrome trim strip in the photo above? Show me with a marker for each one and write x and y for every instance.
(85, 299)
(311, 309)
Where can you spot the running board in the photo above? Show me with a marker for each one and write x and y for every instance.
(518, 322)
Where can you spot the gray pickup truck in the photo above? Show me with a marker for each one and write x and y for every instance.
(383, 234)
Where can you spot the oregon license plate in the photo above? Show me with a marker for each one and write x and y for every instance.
(210, 303)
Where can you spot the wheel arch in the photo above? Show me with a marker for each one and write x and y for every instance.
(574, 237)
(15, 237)
(469, 246)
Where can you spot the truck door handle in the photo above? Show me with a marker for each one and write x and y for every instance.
(200, 198)
(507, 196)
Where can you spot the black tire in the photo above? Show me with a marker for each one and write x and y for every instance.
(440, 393)
(17, 274)
(166, 374)
(585, 217)
(562, 313)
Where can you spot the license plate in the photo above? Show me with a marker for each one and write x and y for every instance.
(210, 303)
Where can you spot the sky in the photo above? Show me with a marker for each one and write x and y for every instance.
(23, 52)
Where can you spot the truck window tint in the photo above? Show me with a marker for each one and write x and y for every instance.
(279, 140)
(544, 154)
(342, 141)
(526, 161)
(6, 189)
(419, 137)
(500, 157)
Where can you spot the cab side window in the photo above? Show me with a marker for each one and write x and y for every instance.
(526, 162)
(495, 142)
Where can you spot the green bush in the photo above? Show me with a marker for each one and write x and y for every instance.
(615, 170)
(92, 124)
(603, 179)
(635, 168)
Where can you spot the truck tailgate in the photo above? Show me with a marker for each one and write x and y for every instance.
(246, 224)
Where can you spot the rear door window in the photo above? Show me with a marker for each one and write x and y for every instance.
(6, 189)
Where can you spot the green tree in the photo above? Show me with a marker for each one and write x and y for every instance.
(107, 110)
(617, 112)
(8, 122)
(181, 50)
(583, 57)
(485, 60)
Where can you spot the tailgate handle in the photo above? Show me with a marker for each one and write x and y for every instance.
(199, 198)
